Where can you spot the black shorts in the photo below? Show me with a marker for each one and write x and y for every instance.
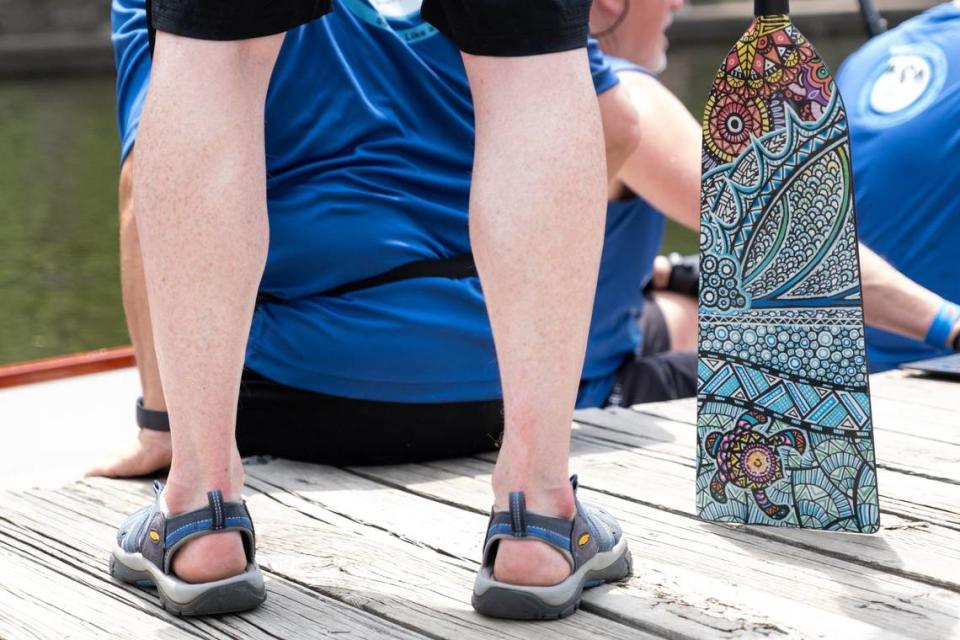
(274, 419)
(480, 27)
(655, 373)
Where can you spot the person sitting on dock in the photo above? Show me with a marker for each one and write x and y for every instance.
(628, 336)
(370, 338)
(303, 422)
(665, 169)
(902, 93)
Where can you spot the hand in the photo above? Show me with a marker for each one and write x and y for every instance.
(661, 273)
(677, 273)
(150, 452)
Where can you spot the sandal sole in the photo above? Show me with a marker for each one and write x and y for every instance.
(231, 595)
(496, 599)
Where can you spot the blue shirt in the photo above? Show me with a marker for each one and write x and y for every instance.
(902, 93)
(369, 142)
(632, 240)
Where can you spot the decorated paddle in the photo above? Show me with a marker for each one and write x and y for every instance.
(784, 429)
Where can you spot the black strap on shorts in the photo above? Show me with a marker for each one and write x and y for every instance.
(455, 268)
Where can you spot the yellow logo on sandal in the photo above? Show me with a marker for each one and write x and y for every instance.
(584, 539)
(154, 536)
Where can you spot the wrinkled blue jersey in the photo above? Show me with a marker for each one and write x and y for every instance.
(369, 141)
(902, 93)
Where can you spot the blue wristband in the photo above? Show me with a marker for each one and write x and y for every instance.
(942, 325)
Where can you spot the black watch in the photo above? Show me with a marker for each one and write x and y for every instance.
(684, 274)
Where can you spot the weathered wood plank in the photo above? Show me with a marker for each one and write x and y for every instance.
(661, 598)
(348, 561)
(917, 389)
(291, 610)
(757, 580)
(907, 547)
(470, 491)
(45, 597)
(906, 495)
(925, 409)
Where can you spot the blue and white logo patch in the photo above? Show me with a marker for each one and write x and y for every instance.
(398, 9)
(906, 84)
(393, 15)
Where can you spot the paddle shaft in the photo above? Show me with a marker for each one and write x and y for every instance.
(872, 20)
(771, 7)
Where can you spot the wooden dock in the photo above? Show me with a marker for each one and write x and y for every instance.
(390, 552)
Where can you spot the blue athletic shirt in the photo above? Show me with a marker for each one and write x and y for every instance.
(369, 142)
(902, 93)
(632, 240)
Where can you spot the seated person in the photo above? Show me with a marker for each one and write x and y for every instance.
(902, 93)
(369, 166)
(324, 378)
(665, 169)
(370, 340)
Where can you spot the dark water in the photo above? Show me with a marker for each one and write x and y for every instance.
(59, 273)
(59, 278)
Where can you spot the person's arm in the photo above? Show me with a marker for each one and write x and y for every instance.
(893, 302)
(621, 129)
(665, 166)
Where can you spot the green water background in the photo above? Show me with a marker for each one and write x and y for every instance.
(59, 267)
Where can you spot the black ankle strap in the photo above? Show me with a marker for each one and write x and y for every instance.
(150, 419)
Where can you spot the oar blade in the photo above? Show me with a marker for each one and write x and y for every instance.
(785, 434)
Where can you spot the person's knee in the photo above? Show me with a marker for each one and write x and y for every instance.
(248, 60)
(680, 313)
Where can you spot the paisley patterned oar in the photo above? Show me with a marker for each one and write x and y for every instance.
(784, 426)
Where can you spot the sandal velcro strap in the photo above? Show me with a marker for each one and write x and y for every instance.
(216, 509)
(233, 515)
(151, 419)
(518, 513)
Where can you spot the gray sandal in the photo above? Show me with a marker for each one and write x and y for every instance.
(592, 542)
(148, 539)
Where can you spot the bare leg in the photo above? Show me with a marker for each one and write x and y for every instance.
(680, 313)
(135, 307)
(201, 211)
(150, 450)
(536, 224)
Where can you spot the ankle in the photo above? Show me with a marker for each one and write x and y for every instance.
(546, 496)
(186, 488)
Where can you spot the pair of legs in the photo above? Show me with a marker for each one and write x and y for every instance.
(536, 222)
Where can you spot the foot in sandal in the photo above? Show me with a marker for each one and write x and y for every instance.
(591, 543)
(150, 538)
